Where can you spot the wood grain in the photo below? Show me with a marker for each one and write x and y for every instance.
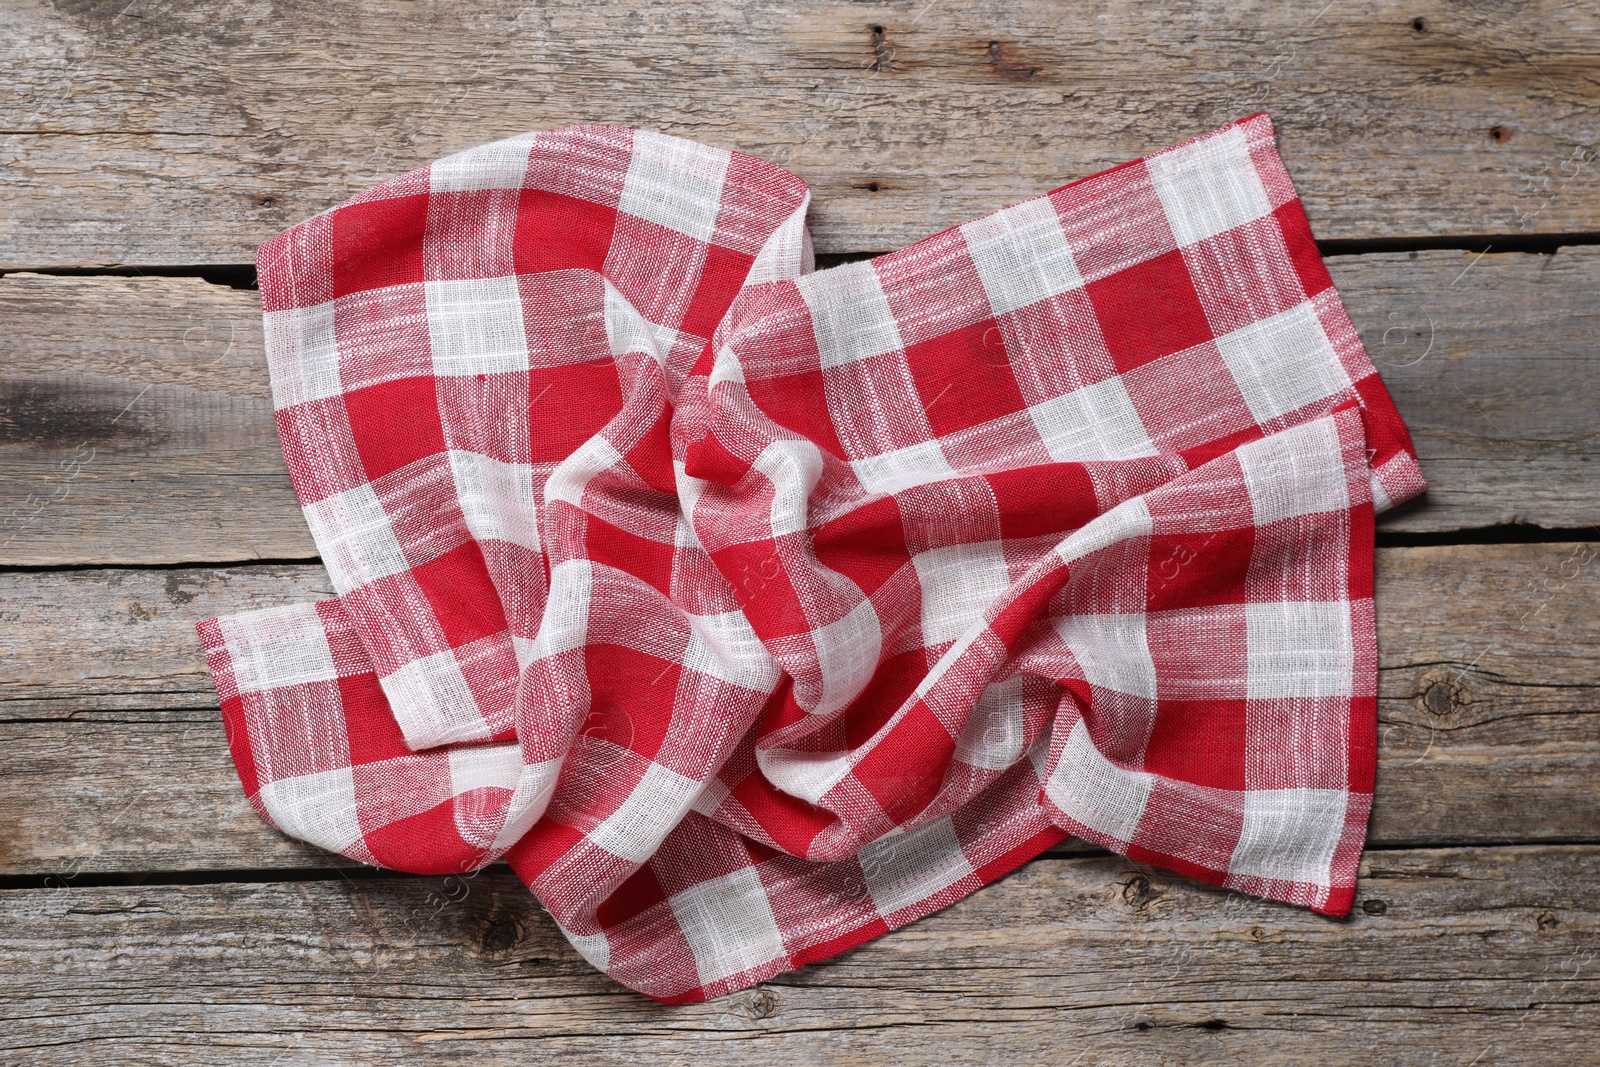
(1449, 954)
(1397, 120)
(1489, 718)
(137, 446)
(1491, 360)
(136, 425)
(136, 420)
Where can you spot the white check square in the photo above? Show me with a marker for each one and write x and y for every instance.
(1092, 790)
(475, 327)
(500, 165)
(1022, 255)
(357, 542)
(729, 925)
(497, 499)
(1095, 422)
(432, 703)
(849, 314)
(653, 807)
(675, 183)
(277, 647)
(1296, 472)
(904, 869)
(1208, 187)
(847, 655)
(1112, 650)
(958, 584)
(1298, 649)
(1282, 363)
(1289, 835)
(993, 735)
(319, 808)
(302, 354)
(726, 647)
(903, 468)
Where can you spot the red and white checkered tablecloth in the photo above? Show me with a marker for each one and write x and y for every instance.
(752, 611)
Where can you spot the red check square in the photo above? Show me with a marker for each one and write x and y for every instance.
(1149, 310)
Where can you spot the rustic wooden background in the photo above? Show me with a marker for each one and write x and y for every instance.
(1446, 152)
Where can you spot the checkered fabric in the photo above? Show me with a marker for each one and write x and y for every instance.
(752, 611)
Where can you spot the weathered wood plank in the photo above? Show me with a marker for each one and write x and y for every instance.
(1493, 370)
(905, 117)
(136, 425)
(1490, 721)
(1450, 955)
(136, 421)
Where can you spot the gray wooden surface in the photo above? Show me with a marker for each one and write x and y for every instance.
(1489, 726)
(1450, 954)
(143, 420)
(212, 126)
(147, 915)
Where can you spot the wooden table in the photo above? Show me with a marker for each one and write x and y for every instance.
(1446, 153)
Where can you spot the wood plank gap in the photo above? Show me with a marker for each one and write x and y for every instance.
(1499, 534)
(242, 275)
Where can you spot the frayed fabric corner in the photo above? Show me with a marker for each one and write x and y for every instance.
(752, 611)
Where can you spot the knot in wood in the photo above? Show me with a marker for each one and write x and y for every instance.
(1137, 892)
(500, 933)
(1442, 696)
(1011, 69)
(763, 1004)
(882, 50)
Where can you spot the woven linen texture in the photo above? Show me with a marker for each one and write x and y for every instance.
(752, 611)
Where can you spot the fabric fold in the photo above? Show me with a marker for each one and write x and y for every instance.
(751, 611)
